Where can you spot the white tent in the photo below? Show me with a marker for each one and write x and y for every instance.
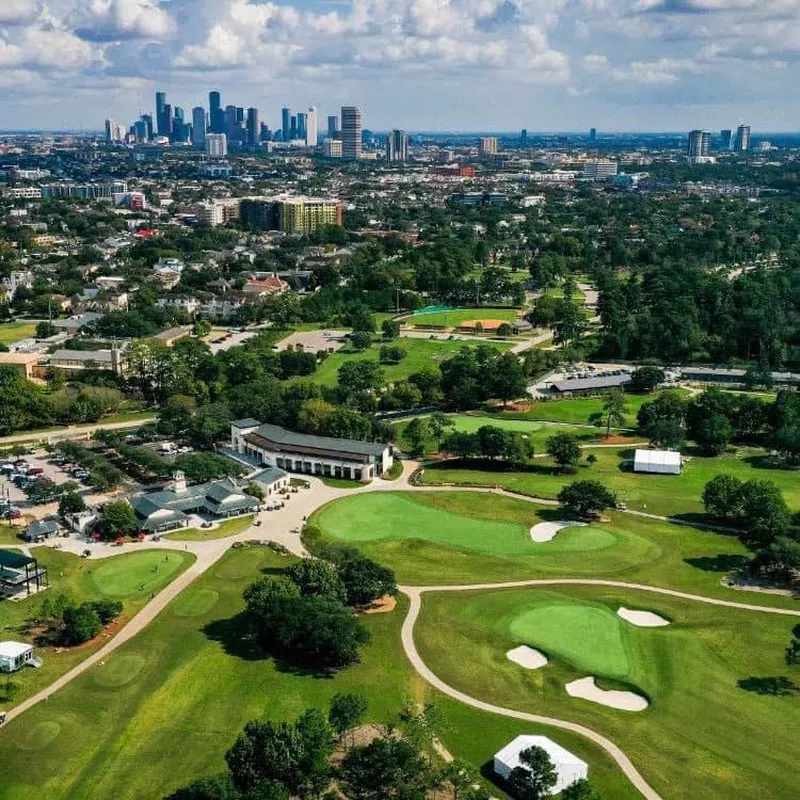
(14, 655)
(664, 462)
(569, 768)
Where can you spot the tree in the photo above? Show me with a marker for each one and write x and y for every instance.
(764, 511)
(564, 449)
(424, 724)
(416, 434)
(645, 379)
(361, 339)
(212, 787)
(118, 519)
(793, 650)
(346, 711)
(390, 329)
(535, 777)
(668, 405)
(44, 330)
(364, 580)
(722, 497)
(714, 434)
(666, 432)
(263, 597)
(580, 790)
(41, 490)
(81, 623)
(438, 424)
(254, 490)
(106, 610)
(463, 781)
(391, 354)
(317, 578)
(613, 411)
(506, 378)
(201, 328)
(780, 559)
(586, 499)
(385, 769)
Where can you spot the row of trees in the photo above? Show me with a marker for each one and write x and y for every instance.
(73, 624)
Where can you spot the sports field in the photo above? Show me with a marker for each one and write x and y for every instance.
(165, 707)
(721, 722)
(452, 319)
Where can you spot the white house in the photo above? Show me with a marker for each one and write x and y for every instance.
(15, 655)
(662, 462)
(569, 768)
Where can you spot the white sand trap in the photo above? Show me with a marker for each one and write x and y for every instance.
(545, 531)
(527, 657)
(625, 701)
(642, 619)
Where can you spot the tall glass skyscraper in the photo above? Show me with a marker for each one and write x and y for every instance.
(286, 123)
(216, 117)
(351, 132)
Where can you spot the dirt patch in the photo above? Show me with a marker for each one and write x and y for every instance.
(615, 439)
(383, 605)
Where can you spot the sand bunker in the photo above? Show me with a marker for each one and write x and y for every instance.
(642, 619)
(625, 701)
(527, 657)
(545, 531)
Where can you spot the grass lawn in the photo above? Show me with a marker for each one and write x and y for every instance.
(419, 353)
(229, 527)
(452, 319)
(705, 734)
(11, 332)
(341, 483)
(666, 495)
(130, 577)
(577, 410)
(165, 707)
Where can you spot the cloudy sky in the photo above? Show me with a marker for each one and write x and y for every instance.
(418, 64)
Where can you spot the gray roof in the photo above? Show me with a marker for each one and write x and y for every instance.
(209, 497)
(79, 320)
(580, 384)
(269, 476)
(247, 422)
(289, 439)
(81, 355)
(42, 527)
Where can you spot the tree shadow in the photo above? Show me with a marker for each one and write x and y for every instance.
(769, 462)
(236, 638)
(779, 686)
(724, 562)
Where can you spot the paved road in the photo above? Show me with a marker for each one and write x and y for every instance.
(74, 431)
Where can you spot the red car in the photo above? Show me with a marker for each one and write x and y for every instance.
(35, 471)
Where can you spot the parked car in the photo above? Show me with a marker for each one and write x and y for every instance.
(35, 471)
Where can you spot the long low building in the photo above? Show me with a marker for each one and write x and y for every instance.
(311, 455)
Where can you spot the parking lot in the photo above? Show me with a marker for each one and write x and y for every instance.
(314, 341)
(220, 339)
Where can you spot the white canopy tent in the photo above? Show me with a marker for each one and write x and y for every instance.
(569, 768)
(663, 462)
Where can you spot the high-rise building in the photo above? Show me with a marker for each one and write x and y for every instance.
(230, 123)
(351, 133)
(216, 145)
(162, 125)
(168, 121)
(198, 126)
(302, 123)
(397, 146)
(147, 119)
(593, 134)
(725, 139)
(253, 130)
(333, 127)
(598, 170)
(487, 146)
(332, 148)
(311, 127)
(523, 137)
(741, 144)
(292, 127)
(699, 142)
(114, 132)
(216, 117)
(286, 123)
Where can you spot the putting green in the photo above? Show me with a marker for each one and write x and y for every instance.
(589, 637)
(118, 671)
(39, 735)
(195, 602)
(137, 572)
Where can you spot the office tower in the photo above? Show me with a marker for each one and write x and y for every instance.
(741, 143)
(397, 146)
(265, 135)
(598, 170)
(216, 119)
(302, 121)
(216, 145)
(139, 131)
(725, 139)
(351, 133)
(292, 127)
(487, 146)
(286, 123)
(114, 132)
(198, 126)
(147, 119)
(593, 134)
(332, 148)
(523, 137)
(698, 146)
(179, 116)
(168, 120)
(333, 127)
(253, 129)
(230, 122)
(161, 124)
(240, 116)
(311, 127)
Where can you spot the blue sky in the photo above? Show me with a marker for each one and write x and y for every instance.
(417, 64)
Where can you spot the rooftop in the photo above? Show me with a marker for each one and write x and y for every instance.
(288, 438)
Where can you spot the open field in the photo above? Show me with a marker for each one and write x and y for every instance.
(166, 706)
(131, 578)
(717, 726)
(452, 319)
(229, 527)
(11, 332)
(419, 353)
(577, 410)
(667, 495)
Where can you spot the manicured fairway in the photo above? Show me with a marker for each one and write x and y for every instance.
(129, 577)
(14, 331)
(419, 353)
(452, 319)
(705, 735)
(165, 707)
(657, 494)
(229, 527)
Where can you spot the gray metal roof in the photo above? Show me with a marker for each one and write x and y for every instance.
(247, 422)
(41, 527)
(581, 384)
(269, 476)
(81, 355)
(289, 439)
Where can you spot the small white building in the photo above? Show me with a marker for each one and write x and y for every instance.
(661, 462)
(15, 655)
(569, 768)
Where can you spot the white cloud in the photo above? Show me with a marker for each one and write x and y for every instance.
(106, 20)
(19, 12)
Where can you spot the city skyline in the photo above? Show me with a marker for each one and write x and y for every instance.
(455, 65)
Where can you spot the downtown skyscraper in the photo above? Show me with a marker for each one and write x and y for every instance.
(351, 133)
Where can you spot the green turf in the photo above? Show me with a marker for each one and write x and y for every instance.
(704, 736)
(165, 707)
(11, 332)
(452, 319)
(658, 494)
(119, 577)
(229, 527)
(419, 353)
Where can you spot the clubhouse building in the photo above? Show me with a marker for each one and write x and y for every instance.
(324, 456)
